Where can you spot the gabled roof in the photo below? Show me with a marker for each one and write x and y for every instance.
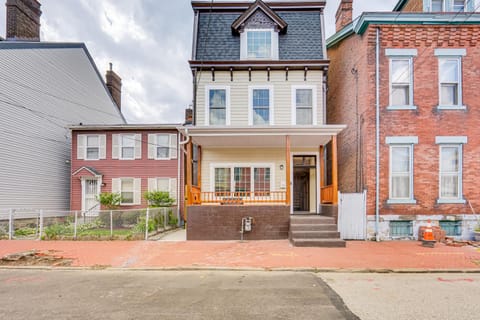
(90, 170)
(259, 5)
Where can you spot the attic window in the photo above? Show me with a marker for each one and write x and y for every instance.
(259, 44)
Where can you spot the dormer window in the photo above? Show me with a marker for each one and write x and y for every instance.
(259, 28)
(259, 44)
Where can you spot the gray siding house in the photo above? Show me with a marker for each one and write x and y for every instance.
(44, 87)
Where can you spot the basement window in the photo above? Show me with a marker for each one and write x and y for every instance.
(452, 228)
(401, 228)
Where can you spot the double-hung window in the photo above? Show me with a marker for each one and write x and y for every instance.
(259, 44)
(458, 5)
(92, 147)
(127, 146)
(401, 169)
(438, 5)
(450, 78)
(127, 190)
(450, 169)
(223, 180)
(401, 78)
(304, 105)
(162, 146)
(217, 106)
(261, 105)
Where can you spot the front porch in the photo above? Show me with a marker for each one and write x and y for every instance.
(299, 167)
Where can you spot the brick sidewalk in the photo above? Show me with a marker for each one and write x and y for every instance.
(403, 255)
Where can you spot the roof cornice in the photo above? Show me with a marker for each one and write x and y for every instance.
(103, 127)
(260, 64)
(360, 25)
(259, 5)
(243, 5)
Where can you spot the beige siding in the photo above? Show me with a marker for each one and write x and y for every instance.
(239, 89)
(242, 156)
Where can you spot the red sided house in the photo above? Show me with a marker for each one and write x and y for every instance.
(125, 159)
(406, 84)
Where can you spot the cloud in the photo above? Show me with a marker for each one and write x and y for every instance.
(149, 44)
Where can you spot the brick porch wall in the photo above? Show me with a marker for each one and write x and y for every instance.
(224, 222)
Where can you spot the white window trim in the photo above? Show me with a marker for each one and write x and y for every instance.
(86, 147)
(270, 107)
(133, 191)
(231, 166)
(207, 104)
(456, 142)
(120, 145)
(406, 141)
(273, 46)
(411, 105)
(451, 54)
(156, 146)
(294, 103)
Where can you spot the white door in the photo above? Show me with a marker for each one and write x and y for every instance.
(90, 204)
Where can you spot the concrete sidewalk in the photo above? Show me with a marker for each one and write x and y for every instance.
(269, 255)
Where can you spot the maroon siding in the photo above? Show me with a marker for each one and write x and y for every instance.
(113, 168)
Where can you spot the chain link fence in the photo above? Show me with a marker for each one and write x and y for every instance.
(136, 224)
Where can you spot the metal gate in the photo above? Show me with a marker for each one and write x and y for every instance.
(352, 215)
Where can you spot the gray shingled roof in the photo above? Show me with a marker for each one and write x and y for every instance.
(303, 40)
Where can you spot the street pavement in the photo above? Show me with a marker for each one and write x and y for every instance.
(192, 295)
(409, 296)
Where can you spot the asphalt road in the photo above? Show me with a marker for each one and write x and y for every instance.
(409, 296)
(107, 294)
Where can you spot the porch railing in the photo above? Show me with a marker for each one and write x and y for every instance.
(327, 194)
(247, 197)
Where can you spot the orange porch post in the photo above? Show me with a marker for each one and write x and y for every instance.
(287, 155)
(188, 165)
(334, 169)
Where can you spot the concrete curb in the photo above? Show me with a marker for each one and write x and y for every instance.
(243, 269)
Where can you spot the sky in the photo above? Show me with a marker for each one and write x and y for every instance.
(149, 44)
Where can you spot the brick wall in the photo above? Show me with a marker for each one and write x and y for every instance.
(23, 20)
(224, 222)
(426, 122)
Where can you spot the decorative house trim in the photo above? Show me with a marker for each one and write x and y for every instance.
(451, 52)
(451, 139)
(238, 24)
(402, 140)
(401, 52)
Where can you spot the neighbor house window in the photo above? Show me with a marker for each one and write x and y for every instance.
(401, 229)
(93, 147)
(458, 5)
(450, 173)
(243, 179)
(450, 77)
(438, 5)
(127, 191)
(127, 146)
(164, 185)
(217, 106)
(261, 106)
(163, 146)
(401, 82)
(304, 105)
(401, 169)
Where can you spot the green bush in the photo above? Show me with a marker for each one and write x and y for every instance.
(26, 231)
(172, 220)
(53, 231)
(158, 199)
(110, 200)
(141, 225)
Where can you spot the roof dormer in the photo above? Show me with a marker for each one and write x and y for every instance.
(259, 27)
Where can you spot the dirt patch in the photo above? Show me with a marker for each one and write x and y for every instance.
(35, 258)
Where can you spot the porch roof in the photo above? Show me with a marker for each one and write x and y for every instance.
(268, 136)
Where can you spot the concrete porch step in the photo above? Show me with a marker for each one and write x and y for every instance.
(322, 243)
(311, 219)
(315, 235)
(313, 227)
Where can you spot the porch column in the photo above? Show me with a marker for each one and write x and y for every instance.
(334, 170)
(287, 169)
(199, 166)
(189, 175)
(322, 166)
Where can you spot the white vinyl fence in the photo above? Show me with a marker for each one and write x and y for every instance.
(352, 216)
(136, 224)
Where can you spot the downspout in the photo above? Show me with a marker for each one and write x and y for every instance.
(377, 134)
(179, 183)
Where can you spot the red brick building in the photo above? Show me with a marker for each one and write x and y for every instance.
(406, 84)
(125, 159)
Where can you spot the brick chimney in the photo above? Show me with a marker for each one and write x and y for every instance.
(114, 85)
(188, 116)
(23, 20)
(344, 14)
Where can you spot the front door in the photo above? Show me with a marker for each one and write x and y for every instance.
(90, 191)
(304, 184)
